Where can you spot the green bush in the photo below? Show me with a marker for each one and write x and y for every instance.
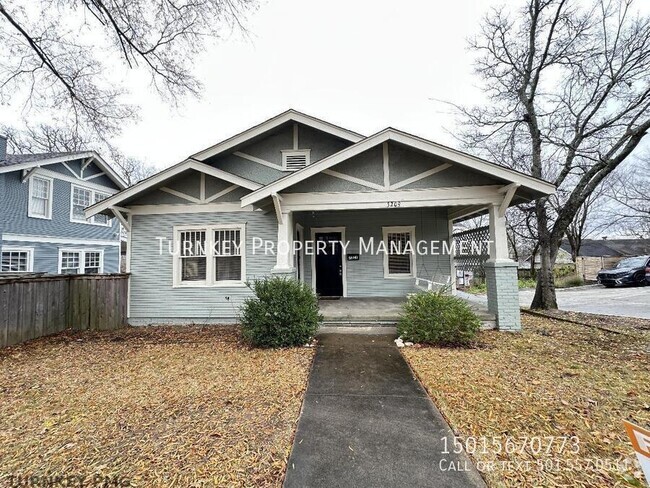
(437, 318)
(527, 283)
(283, 313)
(569, 281)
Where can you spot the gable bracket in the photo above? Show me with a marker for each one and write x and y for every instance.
(278, 207)
(509, 191)
(420, 176)
(28, 174)
(117, 211)
(353, 179)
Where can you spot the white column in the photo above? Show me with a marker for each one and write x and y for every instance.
(284, 245)
(499, 244)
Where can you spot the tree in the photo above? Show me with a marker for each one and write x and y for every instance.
(568, 100)
(630, 194)
(44, 138)
(590, 218)
(61, 56)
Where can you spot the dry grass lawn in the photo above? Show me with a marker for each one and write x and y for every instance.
(554, 379)
(158, 406)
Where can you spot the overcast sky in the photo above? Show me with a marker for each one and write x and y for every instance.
(362, 64)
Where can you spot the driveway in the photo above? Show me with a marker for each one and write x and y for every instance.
(367, 422)
(625, 302)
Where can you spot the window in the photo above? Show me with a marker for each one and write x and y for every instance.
(399, 260)
(193, 256)
(92, 262)
(295, 159)
(83, 198)
(227, 255)
(209, 256)
(79, 261)
(15, 260)
(40, 197)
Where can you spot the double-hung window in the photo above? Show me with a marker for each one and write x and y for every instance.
(81, 261)
(83, 198)
(209, 255)
(40, 197)
(399, 259)
(17, 260)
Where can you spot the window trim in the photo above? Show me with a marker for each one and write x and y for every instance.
(400, 228)
(209, 281)
(50, 197)
(30, 257)
(82, 259)
(92, 191)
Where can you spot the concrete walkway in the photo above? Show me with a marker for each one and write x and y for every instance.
(366, 422)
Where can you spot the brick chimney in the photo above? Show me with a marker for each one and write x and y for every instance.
(3, 147)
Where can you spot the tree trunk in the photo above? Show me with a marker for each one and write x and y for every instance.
(545, 290)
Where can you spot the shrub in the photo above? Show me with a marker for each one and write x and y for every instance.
(569, 281)
(527, 283)
(437, 318)
(283, 313)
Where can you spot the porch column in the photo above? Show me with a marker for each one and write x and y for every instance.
(501, 276)
(284, 246)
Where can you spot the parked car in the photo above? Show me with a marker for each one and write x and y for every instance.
(628, 271)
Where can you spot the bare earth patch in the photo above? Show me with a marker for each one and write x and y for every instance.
(158, 406)
(554, 379)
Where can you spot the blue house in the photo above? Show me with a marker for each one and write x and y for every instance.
(42, 224)
(351, 216)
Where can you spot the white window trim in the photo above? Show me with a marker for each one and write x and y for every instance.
(209, 281)
(402, 228)
(30, 257)
(48, 216)
(82, 258)
(93, 191)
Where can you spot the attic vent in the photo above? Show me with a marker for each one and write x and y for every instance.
(295, 159)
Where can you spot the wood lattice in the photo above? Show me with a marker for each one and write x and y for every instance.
(472, 262)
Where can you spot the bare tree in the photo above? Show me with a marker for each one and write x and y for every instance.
(44, 138)
(568, 91)
(590, 218)
(631, 197)
(56, 55)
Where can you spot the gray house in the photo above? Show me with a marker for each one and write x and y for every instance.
(43, 228)
(265, 201)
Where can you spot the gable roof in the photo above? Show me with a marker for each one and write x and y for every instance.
(611, 247)
(272, 123)
(540, 186)
(159, 178)
(17, 162)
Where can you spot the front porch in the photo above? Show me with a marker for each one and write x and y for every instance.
(385, 311)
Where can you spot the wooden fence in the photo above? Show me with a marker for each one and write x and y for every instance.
(589, 266)
(32, 307)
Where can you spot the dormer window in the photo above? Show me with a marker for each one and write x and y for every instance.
(295, 159)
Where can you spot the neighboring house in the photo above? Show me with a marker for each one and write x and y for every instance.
(563, 257)
(297, 179)
(43, 228)
(597, 254)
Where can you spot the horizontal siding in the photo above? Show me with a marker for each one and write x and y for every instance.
(46, 255)
(16, 221)
(365, 278)
(152, 297)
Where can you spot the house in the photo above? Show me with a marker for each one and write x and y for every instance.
(43, 228)
(563, 258)
(265, 201)
(596, 254)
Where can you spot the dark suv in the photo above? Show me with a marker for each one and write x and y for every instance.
(628, 271)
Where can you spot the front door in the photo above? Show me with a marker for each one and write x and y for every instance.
(329, 265)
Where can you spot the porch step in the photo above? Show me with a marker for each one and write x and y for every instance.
(358, 323)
